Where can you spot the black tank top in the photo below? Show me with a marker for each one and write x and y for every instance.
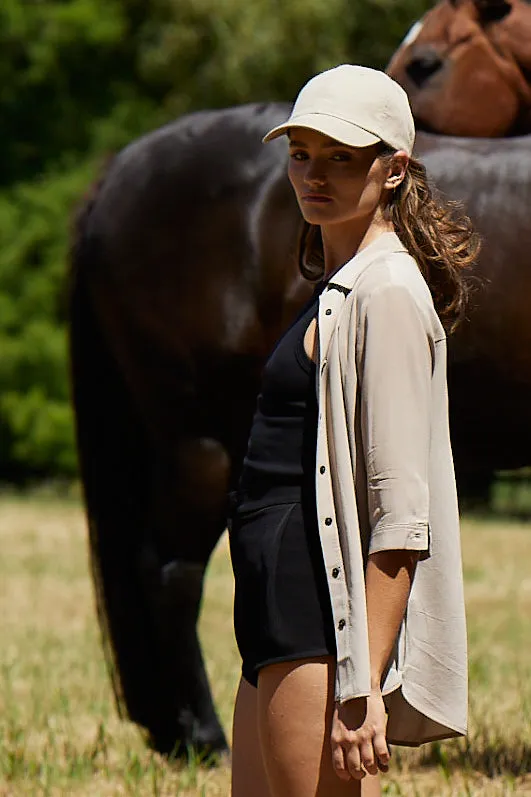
(279, 466)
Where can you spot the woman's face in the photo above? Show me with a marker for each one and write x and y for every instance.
(334, 183)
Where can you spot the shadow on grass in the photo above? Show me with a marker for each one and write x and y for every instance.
(489, 757)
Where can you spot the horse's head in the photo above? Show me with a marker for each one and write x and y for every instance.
(466, 67)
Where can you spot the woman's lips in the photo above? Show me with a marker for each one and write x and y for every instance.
(318, 198)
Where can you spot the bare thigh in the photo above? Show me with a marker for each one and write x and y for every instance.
(248, 773)
(295, 707)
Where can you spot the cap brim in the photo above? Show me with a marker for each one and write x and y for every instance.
(338, 129)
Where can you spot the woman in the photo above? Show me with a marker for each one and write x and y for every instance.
(349, 610)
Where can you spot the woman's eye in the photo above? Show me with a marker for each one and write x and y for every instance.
(298, 155)
(341, 156)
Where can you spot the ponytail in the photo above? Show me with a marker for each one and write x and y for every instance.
(439, 236)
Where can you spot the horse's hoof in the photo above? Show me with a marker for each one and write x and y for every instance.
(206, 752)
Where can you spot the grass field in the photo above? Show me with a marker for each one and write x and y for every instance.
(59, 734)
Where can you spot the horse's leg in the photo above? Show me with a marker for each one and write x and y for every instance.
(188, 516)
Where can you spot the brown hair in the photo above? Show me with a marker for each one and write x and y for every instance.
(437, 234)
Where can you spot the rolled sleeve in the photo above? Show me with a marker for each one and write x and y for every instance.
(390, 538)
(396, 372)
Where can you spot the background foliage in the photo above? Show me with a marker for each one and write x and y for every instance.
(81, 78)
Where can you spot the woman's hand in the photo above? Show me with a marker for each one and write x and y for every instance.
(358, 737)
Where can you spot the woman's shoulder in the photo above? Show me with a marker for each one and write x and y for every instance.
(396, 274)
(393, 272)
(398, 269)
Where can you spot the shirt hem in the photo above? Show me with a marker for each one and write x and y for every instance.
(426, 740)
(454, 729)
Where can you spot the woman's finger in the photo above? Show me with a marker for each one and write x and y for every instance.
(338, 762)
(382, 751)
(353, 758)
(367, 757)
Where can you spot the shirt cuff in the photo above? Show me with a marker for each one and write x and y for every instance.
(400, 537)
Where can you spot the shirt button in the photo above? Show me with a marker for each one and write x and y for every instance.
(335, 572)
(328, 312)
(328, 521)
(341, 625)
(322, 469)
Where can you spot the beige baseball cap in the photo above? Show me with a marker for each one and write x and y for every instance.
(355, 105)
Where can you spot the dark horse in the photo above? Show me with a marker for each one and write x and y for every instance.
(184, 274)
(466, 67)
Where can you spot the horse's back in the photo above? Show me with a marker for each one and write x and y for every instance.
(177, 224)
(185, 169)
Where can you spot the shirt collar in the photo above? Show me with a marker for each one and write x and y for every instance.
(346, 275)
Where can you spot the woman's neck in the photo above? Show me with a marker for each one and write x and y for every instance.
(342, 241)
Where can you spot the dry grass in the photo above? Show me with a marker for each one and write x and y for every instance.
(59, 731)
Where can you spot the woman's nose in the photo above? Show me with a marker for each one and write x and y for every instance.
(313, 175)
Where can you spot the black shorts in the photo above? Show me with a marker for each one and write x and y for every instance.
(282, 606)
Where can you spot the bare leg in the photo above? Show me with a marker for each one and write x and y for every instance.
(295, 705)
(248, 773)
(371, 786)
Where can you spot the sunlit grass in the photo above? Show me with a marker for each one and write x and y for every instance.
(59, 733)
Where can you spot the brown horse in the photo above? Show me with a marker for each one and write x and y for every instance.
(466, 67)
(184, 274)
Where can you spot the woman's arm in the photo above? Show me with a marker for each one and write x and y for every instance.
(394, 370)
(359, 726)
(388, 582)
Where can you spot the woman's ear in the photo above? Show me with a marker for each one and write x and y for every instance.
(396, 170)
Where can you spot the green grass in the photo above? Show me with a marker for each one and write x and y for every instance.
(511, 493)
(59, 733)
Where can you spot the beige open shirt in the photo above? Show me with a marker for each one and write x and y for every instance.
(385, 480)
